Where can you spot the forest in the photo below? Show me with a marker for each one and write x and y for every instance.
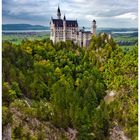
(50, 91)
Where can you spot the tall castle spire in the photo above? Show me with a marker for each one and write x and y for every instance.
(64, 17)
(58, 13)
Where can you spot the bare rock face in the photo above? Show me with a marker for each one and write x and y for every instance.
(72, 134)
(116, 133)
(110, 96)
(6, 135)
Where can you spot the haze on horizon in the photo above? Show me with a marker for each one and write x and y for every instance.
(108, 13)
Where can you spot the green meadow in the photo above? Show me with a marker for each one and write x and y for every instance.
(17, 38)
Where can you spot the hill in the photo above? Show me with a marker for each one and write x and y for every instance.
(23, 27)
(63, 92)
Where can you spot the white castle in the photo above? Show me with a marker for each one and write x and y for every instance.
(62, 30)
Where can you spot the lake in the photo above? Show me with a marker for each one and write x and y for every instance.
(125, 32)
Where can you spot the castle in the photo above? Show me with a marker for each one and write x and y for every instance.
(63, 29)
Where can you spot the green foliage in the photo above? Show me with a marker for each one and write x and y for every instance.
(122, 76)
(6, 116)
(8, 94)
(15, 87)
(65, 85)
(18, 132)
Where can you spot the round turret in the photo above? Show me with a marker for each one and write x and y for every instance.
(94, 27)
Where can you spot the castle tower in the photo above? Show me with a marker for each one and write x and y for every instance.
(81, 38)
(58, 13)
(64, 28)
(94, 27)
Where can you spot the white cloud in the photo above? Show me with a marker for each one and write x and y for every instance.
(108, 12)
(131, 16)
(91, 17)
(80, 1)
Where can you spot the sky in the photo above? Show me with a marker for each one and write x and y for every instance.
(107, 13)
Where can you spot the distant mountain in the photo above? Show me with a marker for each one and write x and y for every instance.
(23, 27)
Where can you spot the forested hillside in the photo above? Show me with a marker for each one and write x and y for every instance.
(23, 27)
(57, 92)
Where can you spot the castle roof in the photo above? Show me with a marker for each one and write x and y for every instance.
(64, 18)
(58, 10)
(69, 23)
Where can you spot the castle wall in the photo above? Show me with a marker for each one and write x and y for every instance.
(86, 39)
(70, 33)
(63, 34)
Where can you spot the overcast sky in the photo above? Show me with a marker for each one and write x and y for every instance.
(107, 13)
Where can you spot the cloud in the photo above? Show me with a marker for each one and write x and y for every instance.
(131, 16)
(111, 12)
